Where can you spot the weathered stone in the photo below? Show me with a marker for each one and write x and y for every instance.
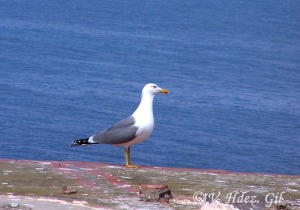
(113, 186)
(14, 206)
(157, 193)
(65, 190)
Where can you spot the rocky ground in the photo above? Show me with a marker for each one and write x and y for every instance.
(78, 185)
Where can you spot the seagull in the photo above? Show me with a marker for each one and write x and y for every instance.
(131, 130)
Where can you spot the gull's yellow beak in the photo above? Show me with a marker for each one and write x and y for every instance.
(165, 91)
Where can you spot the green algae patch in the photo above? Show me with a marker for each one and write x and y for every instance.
(29, 179)
(39, 179)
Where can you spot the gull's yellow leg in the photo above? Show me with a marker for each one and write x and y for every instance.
(127, 159)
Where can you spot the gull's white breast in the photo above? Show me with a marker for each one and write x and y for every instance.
(145, 127)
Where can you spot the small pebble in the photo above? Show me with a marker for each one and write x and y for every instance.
(40, 169)
(14, 205)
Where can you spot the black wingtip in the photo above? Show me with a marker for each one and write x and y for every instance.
(80, 142)
(72, 145)
(75, 143)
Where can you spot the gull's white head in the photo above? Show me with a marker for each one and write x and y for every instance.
(153, 89)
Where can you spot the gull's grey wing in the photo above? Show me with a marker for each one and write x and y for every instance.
(121, 132)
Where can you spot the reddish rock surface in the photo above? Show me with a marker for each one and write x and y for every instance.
(103, 186)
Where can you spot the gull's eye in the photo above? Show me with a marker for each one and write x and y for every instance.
(154, 86)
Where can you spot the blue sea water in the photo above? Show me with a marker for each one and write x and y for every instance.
(69, 69)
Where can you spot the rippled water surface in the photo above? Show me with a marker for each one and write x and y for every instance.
(70, 69)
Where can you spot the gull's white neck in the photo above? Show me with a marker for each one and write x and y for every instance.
(145, 109)
(144, 120)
